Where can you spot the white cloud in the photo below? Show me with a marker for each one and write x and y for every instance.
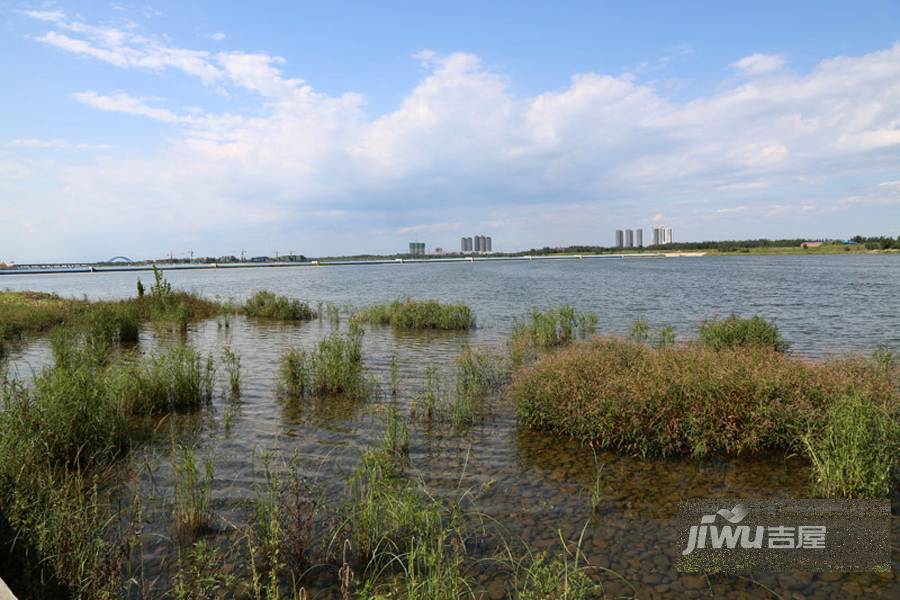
(216, 37)
(462, 146)
(121, 102)
(757, 64)
(56, 144)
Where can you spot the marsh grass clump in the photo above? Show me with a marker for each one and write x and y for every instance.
(174, 309)
(480, 372)
(462, 400)
(191, 504)
(736, 332)
(179, 379)
(854, 453)
(266, 305)
(58, 464)
(561, 576)
(418, 314)
(281, 536)
(691, 399)
(72, 525)
(202, 573)
(548, 330)
(232, 364)
(333, 368)
(385, 513)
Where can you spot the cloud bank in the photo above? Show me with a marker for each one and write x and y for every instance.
(463, 151)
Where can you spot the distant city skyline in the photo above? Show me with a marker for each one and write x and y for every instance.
(341, 128)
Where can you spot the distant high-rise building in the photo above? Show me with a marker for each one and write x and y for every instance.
(620, 242)
(465, 244)
(639, 241)
(658, 234)
(629, 238)
(417, 248)
(478, 243)
(668, 238)
(487, 243)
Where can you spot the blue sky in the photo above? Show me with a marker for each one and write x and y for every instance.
(326, 128)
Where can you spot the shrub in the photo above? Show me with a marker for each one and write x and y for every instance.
(418, 314)
(735, 332)
(689, 399)
(853, 454)
(266, 305)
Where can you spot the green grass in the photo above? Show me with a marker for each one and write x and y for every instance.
(191, 504)
(461, 401)
(266, 305)
(175, 380)
(203, 573)
(735, 332)
(334, 368)
(690, 399)
(855, 451)
(563, 576)
(418, 314)
(543, 331)
(37, 312)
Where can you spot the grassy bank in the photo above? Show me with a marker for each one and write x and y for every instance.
(418, 314)
(38, 312)
(697, 400)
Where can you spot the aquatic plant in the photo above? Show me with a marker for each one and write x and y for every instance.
(266, 305)
(177, 379)
(386, 513)
(232, 364)
(562, 576)
(202, 573)
(333, 368)
(117, 322)
(67, 418)
(640, 331)
(418, 314)
(691, 399)
(191, 504)
(665, 336)
(58, 454)
(854, 453)
(395, 439)
(736, 331)
(476, 375)
(548, 330)
(480, 372)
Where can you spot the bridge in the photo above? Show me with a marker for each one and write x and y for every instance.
(122, 265)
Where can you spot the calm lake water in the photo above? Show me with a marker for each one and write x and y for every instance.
(532, 484)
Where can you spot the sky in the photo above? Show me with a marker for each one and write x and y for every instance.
(328, 128)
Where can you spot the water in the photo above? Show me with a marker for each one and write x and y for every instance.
(532, 484)
(824, 304)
